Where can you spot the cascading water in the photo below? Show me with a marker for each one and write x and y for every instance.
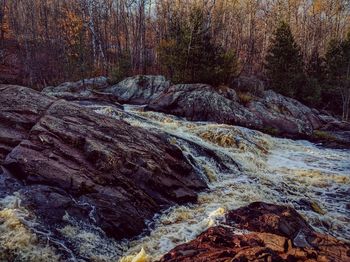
(243, 166)
(240, 166)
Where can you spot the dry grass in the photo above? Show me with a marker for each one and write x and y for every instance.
(245, 98)
(322, 135)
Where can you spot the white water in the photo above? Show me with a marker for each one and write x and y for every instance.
(240, 165)
(245, 166)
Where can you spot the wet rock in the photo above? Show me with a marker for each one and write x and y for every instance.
(311, 205)
(333, 139)
(277, 233)
(69, 160)
(334, 133)
(20, 109)
(269, 111)
(263, 217)
(266, 111)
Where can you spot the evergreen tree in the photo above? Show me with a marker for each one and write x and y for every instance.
(316, 66)
(338, 72)
(190, 55)
(122, 68)
(315, 70)
(284, 66)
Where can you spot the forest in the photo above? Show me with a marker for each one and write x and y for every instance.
(174, 130)
(301, 48)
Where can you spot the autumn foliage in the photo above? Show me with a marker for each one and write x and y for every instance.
(45, 42)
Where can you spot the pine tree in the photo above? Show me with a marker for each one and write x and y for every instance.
(284, 66)
(338, 72)
(190, 55)
(315, 70)
(316, 66)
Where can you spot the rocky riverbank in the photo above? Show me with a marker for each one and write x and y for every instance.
(80, 173)
(266, 111)
(64, 160)
(272, 233)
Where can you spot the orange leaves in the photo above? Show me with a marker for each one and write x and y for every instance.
(318, 6)
(4, 23)
(72, 27)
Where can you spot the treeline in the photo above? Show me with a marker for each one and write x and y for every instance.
(323, 81)
(187, 40)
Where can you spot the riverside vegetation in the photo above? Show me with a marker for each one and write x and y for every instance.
(133, 171)
(174, 130)
(301, 48)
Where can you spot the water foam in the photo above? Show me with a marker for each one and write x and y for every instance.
(313, 180)
(18, 242)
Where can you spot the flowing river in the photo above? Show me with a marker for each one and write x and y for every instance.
(242, 166)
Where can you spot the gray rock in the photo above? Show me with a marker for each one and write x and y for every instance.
(249, 84)
(202, 103)
(64, 158)
(266, 110)
(87, 89)
(288, 116)
(139, 89)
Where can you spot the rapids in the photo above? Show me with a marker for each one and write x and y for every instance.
(242, 166)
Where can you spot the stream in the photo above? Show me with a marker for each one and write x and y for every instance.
(240, 166)
(243, 166)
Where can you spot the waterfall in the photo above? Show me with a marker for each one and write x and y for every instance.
(242, 166)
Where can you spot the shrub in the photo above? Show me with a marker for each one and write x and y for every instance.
(121, 70)
(322, 135)
(245, 98)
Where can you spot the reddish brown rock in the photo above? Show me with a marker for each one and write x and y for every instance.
(99, 170)
(20, 109)
(263, 217)
(267, 111)
(280, 234)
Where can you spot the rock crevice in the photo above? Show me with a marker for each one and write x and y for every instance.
(66, 154)
(273, 233)
(266, 111)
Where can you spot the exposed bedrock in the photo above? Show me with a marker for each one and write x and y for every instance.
(68, 160)
(263, 110)
(274, 233)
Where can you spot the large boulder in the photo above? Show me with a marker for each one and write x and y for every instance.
(268, 112)
(200, 102)
(262, 110)
(86, 89)
(139, 89)
(286, 115)
(276, 233)
(20, 109)
(66, 160)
